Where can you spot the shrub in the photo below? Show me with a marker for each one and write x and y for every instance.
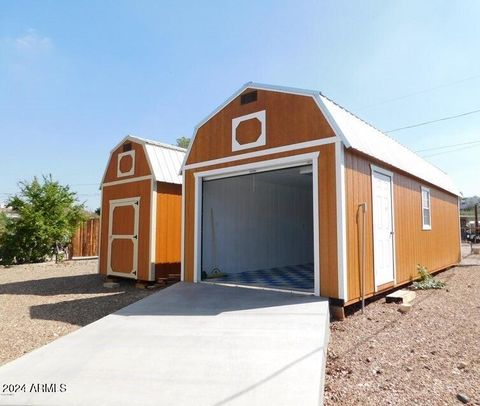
(49, 214)
(426, 281)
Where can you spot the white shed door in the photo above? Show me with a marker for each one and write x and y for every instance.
(382, 227)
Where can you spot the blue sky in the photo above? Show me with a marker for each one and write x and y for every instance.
(75, 77)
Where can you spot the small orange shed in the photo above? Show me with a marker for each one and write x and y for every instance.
(140, 225)
(285, 189)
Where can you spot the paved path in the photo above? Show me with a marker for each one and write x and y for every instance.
(190, 344)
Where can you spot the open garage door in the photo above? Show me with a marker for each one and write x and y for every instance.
(257, 229)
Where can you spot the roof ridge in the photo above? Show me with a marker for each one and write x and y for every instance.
(158, 143)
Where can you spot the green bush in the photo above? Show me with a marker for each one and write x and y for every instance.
(49, 214)
(426, 281)
(3, 222)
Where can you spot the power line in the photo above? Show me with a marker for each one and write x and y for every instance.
(433, 121)
(426, 90)
(450, 151)
(448, 146)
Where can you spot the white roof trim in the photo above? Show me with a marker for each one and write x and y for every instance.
(354, 133)
(150, 147)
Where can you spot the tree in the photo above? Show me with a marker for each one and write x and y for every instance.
(3, 222)
(49, 214)
(183, 142)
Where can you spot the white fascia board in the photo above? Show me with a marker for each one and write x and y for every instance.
(208, 117)
(331, 121)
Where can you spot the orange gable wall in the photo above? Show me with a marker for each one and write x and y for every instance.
(290, 119)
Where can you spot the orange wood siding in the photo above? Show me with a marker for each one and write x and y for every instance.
(142, 189)
(141, 164)
(327, 214)
(168, 229)
(436, 249)
(290, 119)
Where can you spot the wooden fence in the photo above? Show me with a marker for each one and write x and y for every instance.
(85, 242)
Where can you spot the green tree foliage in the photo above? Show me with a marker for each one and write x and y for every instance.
(3, 222)
(49, 214)
(183, 142)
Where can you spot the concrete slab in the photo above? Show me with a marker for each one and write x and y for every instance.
(471, 260)
(189, 344)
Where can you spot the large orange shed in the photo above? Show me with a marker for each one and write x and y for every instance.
(284, 189)
(140, 225)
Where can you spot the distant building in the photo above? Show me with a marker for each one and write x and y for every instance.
(8, 211)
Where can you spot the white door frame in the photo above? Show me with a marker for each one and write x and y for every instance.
(388, 173)
(261, 166)
(130, 201)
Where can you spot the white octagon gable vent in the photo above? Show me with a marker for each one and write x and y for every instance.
(253, 123)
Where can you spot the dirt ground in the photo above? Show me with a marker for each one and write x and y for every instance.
(425, 357)
(41, 302)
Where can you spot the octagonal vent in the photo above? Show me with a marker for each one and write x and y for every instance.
(249, 131)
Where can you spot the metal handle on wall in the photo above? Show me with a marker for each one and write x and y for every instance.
(361, 253)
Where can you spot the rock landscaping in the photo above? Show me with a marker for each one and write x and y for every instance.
(429, 355)
(41, 302)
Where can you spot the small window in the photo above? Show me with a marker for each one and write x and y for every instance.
(426, 215)
(127, 147)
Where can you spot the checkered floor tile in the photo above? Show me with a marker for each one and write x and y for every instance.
(294, 277)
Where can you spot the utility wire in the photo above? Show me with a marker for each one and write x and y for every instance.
(433, 121)
(426, 90)
(450, 151)
(448, 146)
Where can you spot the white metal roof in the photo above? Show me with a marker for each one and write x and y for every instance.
(357, 134)
(164, 160)
(367, 139)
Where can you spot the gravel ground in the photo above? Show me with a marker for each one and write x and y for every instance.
(41, 302)
(425, 357)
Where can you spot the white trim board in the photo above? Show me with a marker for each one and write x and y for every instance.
(263, 152)
(429, 226)
(129, 180)
(182, 243)
(131, 171)
(262, 138)
(153, 230)
(272, 164)
(341, 221)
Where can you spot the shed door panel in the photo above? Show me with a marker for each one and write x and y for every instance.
(122, 255)
(382, 228)
(123, 237)
(123, 220)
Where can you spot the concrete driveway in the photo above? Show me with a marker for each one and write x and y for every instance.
(189, 344)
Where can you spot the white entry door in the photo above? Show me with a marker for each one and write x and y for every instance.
(382, 227)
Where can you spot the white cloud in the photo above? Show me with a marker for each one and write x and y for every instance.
(31, 43)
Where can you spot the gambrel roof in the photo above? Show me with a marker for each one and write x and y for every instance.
(357, 134)
(164, 160)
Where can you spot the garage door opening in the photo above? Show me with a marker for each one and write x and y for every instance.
(257, 229)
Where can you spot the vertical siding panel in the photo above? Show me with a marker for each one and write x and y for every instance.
(168, 229)
(435, 249)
